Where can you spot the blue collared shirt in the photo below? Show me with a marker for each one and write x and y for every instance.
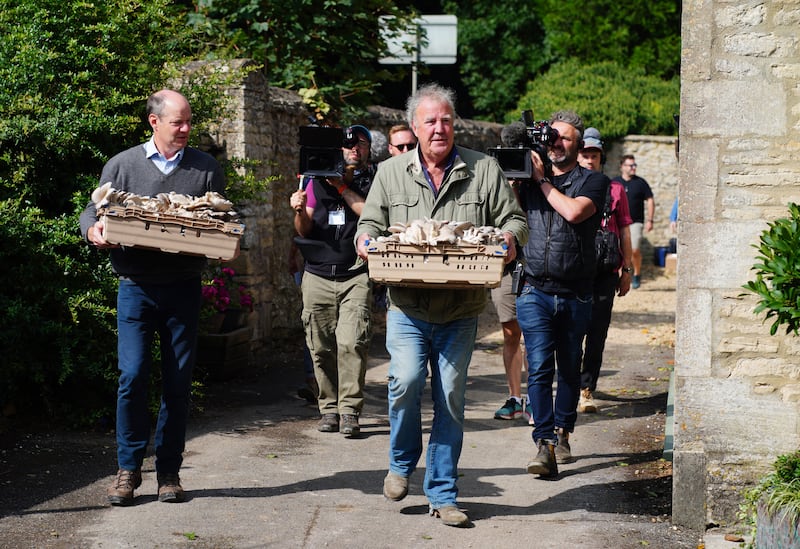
(166, 166)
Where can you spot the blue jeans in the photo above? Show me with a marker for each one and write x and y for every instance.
(412, 343)
(172, 311)
(553, 327)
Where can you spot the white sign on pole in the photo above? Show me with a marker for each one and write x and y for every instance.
(441, 36)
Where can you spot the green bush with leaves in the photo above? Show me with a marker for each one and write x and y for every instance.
(618, 101)
(777, 280)
(74, 79)
(779, 492)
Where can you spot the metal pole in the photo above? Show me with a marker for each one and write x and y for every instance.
(417, 57)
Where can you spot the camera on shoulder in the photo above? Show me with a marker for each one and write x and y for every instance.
(519, 139)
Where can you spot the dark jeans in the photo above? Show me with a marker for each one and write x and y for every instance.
(605, 288)
(553, 327)
(172, 311)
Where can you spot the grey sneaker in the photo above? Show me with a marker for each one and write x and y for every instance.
(349, 426)
(544, 464)
(451, 516)
(121, 490)
(329, 423)
(563, 451)
(395, 487)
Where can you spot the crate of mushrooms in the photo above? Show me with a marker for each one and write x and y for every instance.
(170, 222)
(430, 253)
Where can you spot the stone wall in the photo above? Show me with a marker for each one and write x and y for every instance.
(737, 389)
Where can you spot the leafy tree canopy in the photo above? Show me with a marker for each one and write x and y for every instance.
(74, 77)
(616, 100)
(331, 47)
(632, 34)
(500, 44)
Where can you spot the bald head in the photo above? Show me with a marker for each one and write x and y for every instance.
(170, 116)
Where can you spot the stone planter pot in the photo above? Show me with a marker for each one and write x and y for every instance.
(223, 356)
(775, 530)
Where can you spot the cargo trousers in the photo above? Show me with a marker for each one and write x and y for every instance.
(336, 319)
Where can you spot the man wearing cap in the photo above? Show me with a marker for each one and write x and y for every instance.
(336, 291)
(606, 284)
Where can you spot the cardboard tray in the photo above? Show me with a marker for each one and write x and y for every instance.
(136, 227)
(426, 266)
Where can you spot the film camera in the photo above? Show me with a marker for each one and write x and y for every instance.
(321, 150)
(519, 139)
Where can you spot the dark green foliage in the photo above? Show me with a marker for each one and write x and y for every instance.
(500, 45)
(74, 77)
(57, 329)
(330, 45)
(615, 100)
(777, 282)
(643, 35)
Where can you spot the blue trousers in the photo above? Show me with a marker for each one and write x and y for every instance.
(413, 343)
(172, 311)
(553, 327)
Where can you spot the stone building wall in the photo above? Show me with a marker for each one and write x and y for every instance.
(737, 389)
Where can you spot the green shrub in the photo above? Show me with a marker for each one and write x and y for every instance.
(616, 100)
(779, 491)
(777, 282)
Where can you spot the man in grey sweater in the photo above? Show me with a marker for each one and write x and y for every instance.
(158, 293)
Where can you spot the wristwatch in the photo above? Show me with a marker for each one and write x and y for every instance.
(543, 180)
(627, 269)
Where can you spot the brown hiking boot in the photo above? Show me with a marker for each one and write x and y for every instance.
(544, 464)
(121, 490)
(563, 451)
(169, 488)
(586, 403)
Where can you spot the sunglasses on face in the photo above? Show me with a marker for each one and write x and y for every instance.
(405, 146)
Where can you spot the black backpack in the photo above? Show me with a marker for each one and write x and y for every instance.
(606, 243)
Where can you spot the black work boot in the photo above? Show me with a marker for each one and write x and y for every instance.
(563, 450)
(544, 464)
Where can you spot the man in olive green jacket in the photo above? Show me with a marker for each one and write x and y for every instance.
(440, 181)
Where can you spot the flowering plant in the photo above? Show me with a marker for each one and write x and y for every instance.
(221, 292)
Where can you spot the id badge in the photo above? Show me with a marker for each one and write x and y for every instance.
(336, 218)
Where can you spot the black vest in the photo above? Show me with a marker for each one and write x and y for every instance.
(329, 250)
(558, 254)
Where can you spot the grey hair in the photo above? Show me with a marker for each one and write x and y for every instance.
(569, 117)
(432, 91)
(157, 102)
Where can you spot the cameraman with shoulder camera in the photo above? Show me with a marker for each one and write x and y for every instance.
(336, 293)
(555, 303)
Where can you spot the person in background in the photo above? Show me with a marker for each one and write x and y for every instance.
(606, 284)
(159, 293)
(642, 206)
(505, 302)
(401, 139)
(555, 305)
(336, 290)
(441, 181)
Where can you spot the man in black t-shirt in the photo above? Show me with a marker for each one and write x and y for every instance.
(642, 206)
(555, 305)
